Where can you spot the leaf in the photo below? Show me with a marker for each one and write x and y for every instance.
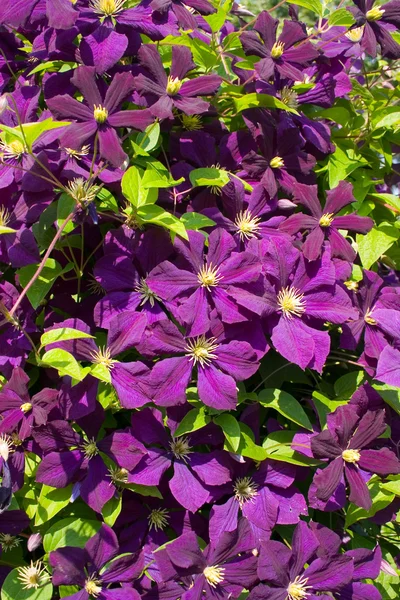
(254, 100)
(341, 17)
(155, 214)
(28, 133)
(278, 447)
(209, 177)
(390, 120)
(195, 221)
(61, 334)
(286, 405)
(64, 362)
(12, 589)
(65, 207)
(193, 420)
(106, 201)
(148, 140)
(247, 446)
(375, 243)
(43, 283)
(346, 385)
(341, 163)
(390, 199)
(50, 502)
(392, 486)
(145, 490)
(315, 6)
(131, 187)
(231, 429)
(70, 532)
(111, 510)
(391, 395)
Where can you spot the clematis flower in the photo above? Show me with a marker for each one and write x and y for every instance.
(323, 224)
(70, 458)
(194, 472)
(61, 14)
(96, 567)
(218, 281)
(279, 56)
(222, 570)
(375, 20)
(299, 298)
(284, 575)
(12, 522)
(346, 445)
(20, 411)
(100, 114)
(183, 11)
(367, 565)
(220, 364)
(167, 92)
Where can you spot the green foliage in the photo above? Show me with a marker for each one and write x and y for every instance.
(12, 589)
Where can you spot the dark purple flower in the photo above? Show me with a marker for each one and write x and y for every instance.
(345, 443)
(287, 578)
(375, 21)
(367, 565)
(100, 115)
(222, 570)
(322, 224)
(279, 56)
(182, 11)
(96, 567)
(61, 14)
(219, 281)
(165, 92)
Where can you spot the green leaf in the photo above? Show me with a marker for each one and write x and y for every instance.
(278, 447)
(390, 120)
(70, 532)
(315, 6)
(392, 486)
(64, 362)
(286, 405)
(391, 395)
(209, 177)
(12, 589)
(375, 243)
(158, 216)
(195, 221)
(29, 132)
(101, 372)
(145, 490)
(390, 199)
(346, 385)
(111, 510)
(254, 100)
(148, 140)
(341, 163)
(61, 334)
(324, 406)
(106, 201)
(193, 420)
(341, 17)
(51, 501)
(43, 283)
(231, 429)
(65, 207)
(247, 446)
(131, 187)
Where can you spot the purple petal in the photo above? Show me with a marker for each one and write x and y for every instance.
(216, 389)
(187, 489)
(359, 493)
(58, 469)
(102, 547)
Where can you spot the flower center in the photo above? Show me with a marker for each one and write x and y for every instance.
(103, 357)
(4, 217)
(93, 586)
(82, 191)
(33, 576)
(214, 575)
(326, 220)
(355, 35)
(8, 542)
(351, 456)
(208, 276)
(90, 449)
(298, 589)
(289, 97)
(6, 445)
(245, 490)
(368, 319)
(247, 225)
(94, 286)
(84, 151)
(100, 113)
(276, 163)
(277, 49)
(158, 519)
(118, 475)
(145, 292)
(192, 122)
(291, 302)
(174, 84)
(201, 350)
(351, 285)
(26, 407)
(180, 448)
(14, 149)
(375, 14)
(107, 8)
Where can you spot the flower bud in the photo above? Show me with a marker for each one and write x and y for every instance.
(34, 541)
(3, 104)
(387, 568)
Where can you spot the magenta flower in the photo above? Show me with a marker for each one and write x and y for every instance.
(100, 114)
(346, 445)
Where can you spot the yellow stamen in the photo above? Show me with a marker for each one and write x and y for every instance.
(326, 220)
(208, 276)
(26, 407)
(90, 449)
(245, 490)
(277, 49)
(201, 350)
(107, 8)
(174, 84)
(291, 302)
(355, 35)
(100, 113)
(297, 590)
(93, 586)
(192, 122)
(33, 576)
(375, 14)
(158, 519)
(368, 319)
(247, 225)
(351, 456)
(103, 357)
(180, 448)
(214, 575)
(276, 163)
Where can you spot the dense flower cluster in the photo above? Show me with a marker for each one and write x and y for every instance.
(200, 306)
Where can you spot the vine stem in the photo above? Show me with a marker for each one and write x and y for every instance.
(42, 264)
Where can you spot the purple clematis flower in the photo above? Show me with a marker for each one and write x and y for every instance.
(299, 298)
(375, 21)
(367, 565)
(194, 472)
(286, 577)
(346, 445)
(19, 410)
(100, 114)
(60, 13)
(68, 458)
(96, 567)
(220, 364)
(220, 281)
(279, 56)
(182, 10)
(165, 92)
(222, 570)
(323, 224)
